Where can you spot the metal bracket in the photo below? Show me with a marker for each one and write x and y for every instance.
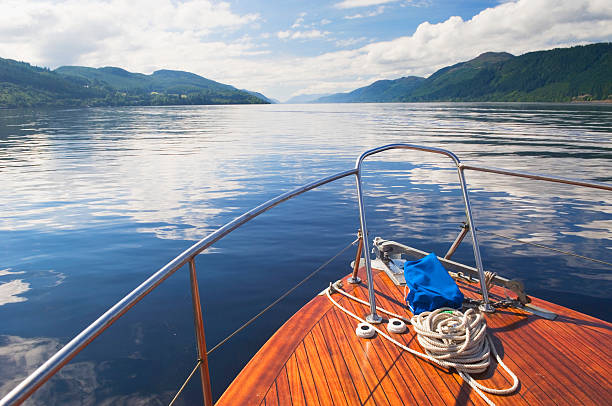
(464, 230)
(456, 269)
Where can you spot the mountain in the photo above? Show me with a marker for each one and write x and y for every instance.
(305, 98)
(379, 91)
(269, 100)
(558, 75)
(461, 77)
(24, 85)
(187, 86)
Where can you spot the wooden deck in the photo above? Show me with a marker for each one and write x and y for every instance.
(316, 358)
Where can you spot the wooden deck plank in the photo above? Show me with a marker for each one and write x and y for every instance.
(357, 360)
(587, 354)
(254, 380)
(296, 390)
(510, 342)
(385, 371)
(338, 378)
(345, 369)
(581, 357)
(553, 359)
(452, 388)
(315, 358)
(283, 391)
(417, 382)
(541, 390)
(392, 297)
(545, 362)
(318, 372)
(308, 383)
(271, 398)
(493, 378)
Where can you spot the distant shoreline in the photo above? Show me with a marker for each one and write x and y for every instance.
(56, 107)
(606, 101)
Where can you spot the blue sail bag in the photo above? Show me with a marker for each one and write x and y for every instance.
(431, 287)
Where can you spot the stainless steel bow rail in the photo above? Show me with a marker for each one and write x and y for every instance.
(43, 373)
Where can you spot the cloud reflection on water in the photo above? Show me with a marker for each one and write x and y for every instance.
(77, 383)
(97, 188)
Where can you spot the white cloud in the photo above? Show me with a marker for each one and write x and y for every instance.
(325, 21)
(516, 27)
(310, 34)
(298, 22)
(95, 32)
(361, 3)
(350, 41)
(379, 10)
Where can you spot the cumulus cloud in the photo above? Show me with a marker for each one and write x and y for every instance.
(516, 27)
(361, 3)
(100, 32)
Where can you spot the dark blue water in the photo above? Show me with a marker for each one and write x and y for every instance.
(93, 201)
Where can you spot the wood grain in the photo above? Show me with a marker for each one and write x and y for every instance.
(316, 358)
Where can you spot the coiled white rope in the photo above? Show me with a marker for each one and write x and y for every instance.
(451, 339)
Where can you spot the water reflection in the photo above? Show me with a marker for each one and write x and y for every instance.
(78, 383)
(10, 291)
(95, 200)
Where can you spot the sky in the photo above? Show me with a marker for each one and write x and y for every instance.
(291, 47)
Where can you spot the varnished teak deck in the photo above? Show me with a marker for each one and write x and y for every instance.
(316, 358)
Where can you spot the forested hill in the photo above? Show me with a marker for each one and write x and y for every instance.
(24, 85)
(379, 91)
(558, 75)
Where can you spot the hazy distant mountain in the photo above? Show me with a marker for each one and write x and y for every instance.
(305, 98)
(558, 75)
(379, 91)
(23, 85)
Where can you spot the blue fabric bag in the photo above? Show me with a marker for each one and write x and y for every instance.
(431, 287)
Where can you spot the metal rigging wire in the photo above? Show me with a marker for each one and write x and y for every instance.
(545, 247)
(257, 316)
(280, 298)
(185, 383)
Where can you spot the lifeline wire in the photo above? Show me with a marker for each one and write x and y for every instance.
(185, 383)
(544, 246)
(439, 345)
(239, 329)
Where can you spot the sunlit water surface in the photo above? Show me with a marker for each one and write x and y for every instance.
(93, 201)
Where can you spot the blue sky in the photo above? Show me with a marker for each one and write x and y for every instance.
(292, 47)
(350, 26)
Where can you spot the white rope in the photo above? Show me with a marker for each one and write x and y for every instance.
(451, 339)
(380, 309)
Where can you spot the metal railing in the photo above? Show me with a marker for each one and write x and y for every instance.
(43, 373)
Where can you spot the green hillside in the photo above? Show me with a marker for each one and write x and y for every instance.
(167, 81)
(380, 91)
(558, 75)
(24, 85)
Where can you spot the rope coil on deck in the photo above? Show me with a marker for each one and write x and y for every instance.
(451, 339)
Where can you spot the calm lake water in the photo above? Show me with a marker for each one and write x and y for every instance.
(93, 201)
